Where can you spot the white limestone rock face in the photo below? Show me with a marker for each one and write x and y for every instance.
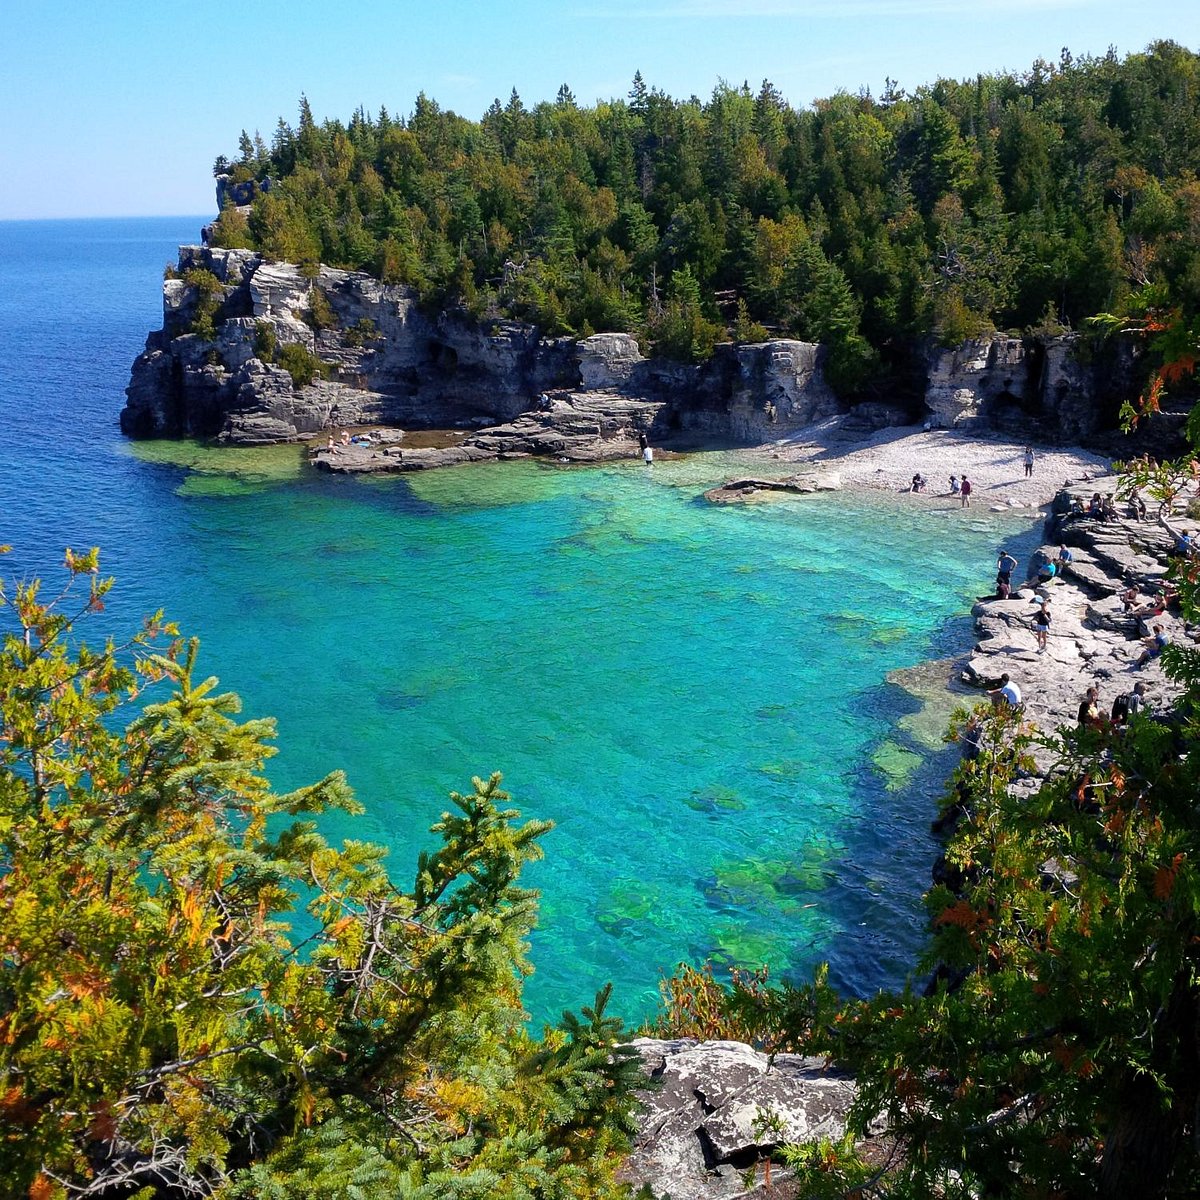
(780, 385)
(964, 381)
(697, 1133)
(607, 360)
(279, 290)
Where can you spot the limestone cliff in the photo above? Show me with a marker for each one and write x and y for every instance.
(1063, 388)
(389, 362)
(214, 370)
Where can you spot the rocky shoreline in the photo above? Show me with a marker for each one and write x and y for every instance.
(253, 352)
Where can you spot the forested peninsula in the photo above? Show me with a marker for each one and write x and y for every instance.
(1002, 202)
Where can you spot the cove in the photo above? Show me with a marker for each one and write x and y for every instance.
(696, 695)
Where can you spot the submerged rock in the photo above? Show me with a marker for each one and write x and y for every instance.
(741, 491)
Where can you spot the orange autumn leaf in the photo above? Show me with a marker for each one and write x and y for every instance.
(41, 1189)
(1164, 883)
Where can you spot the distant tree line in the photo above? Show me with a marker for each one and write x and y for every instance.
(1031, 200)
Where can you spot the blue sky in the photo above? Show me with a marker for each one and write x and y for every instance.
(119, 108)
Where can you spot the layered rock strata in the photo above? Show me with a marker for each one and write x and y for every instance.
(390, 363)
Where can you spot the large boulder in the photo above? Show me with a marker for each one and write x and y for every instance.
(716, 1109)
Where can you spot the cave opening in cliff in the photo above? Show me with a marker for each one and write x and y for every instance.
(442, 357)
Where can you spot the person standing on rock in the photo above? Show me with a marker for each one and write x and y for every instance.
(1005, 566)
(1041, 624)
(965, 493)
(1028, 461)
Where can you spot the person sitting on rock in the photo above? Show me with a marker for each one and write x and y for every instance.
(1108, 509)
(1064, 558)
(1154, 647)
(1129, 705)
(1137, 506)
(1155, 608)
(1008, 694)
(954, 485)
(1089, 709)
(1095, 506)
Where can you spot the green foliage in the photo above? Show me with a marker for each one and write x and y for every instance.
(320, 314)
(745, 329)
(265, 341)
(963, 207)
(683, 331)
(209, 294)
(162, 1034)
(301, 364)
(231, 230)
(363, 330)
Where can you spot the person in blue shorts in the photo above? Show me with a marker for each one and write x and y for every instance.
(1154, 647)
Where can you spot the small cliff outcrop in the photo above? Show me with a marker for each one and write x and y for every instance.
(217, 369)
(1056, 388)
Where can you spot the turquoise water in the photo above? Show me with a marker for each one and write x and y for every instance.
(694, 694)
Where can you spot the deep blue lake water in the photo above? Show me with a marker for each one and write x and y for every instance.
(696, 695)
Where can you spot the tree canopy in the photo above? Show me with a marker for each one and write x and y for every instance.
(868, 223)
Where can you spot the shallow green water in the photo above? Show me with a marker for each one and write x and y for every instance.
(694, 694)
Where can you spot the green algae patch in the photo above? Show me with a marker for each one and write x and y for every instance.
(630, 903)
(715, 800)
(485, 485)
(224, 471)
(736, 946)
(773, 886)
(784, 768)
(897, 764)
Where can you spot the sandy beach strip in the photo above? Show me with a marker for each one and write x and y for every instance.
(888, 459)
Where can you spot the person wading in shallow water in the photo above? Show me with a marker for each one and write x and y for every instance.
(965, 493)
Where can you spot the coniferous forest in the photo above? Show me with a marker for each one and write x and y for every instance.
(1008, 201)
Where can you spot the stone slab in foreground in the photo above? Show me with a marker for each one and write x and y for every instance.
(697, 1134)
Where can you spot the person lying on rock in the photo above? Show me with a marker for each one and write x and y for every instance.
(1183, 541)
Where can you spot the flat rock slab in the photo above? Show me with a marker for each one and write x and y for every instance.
(702, 1127)
(742, 491)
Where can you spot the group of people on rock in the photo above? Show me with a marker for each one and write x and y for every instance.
(1042, 569)
(1126, 706)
